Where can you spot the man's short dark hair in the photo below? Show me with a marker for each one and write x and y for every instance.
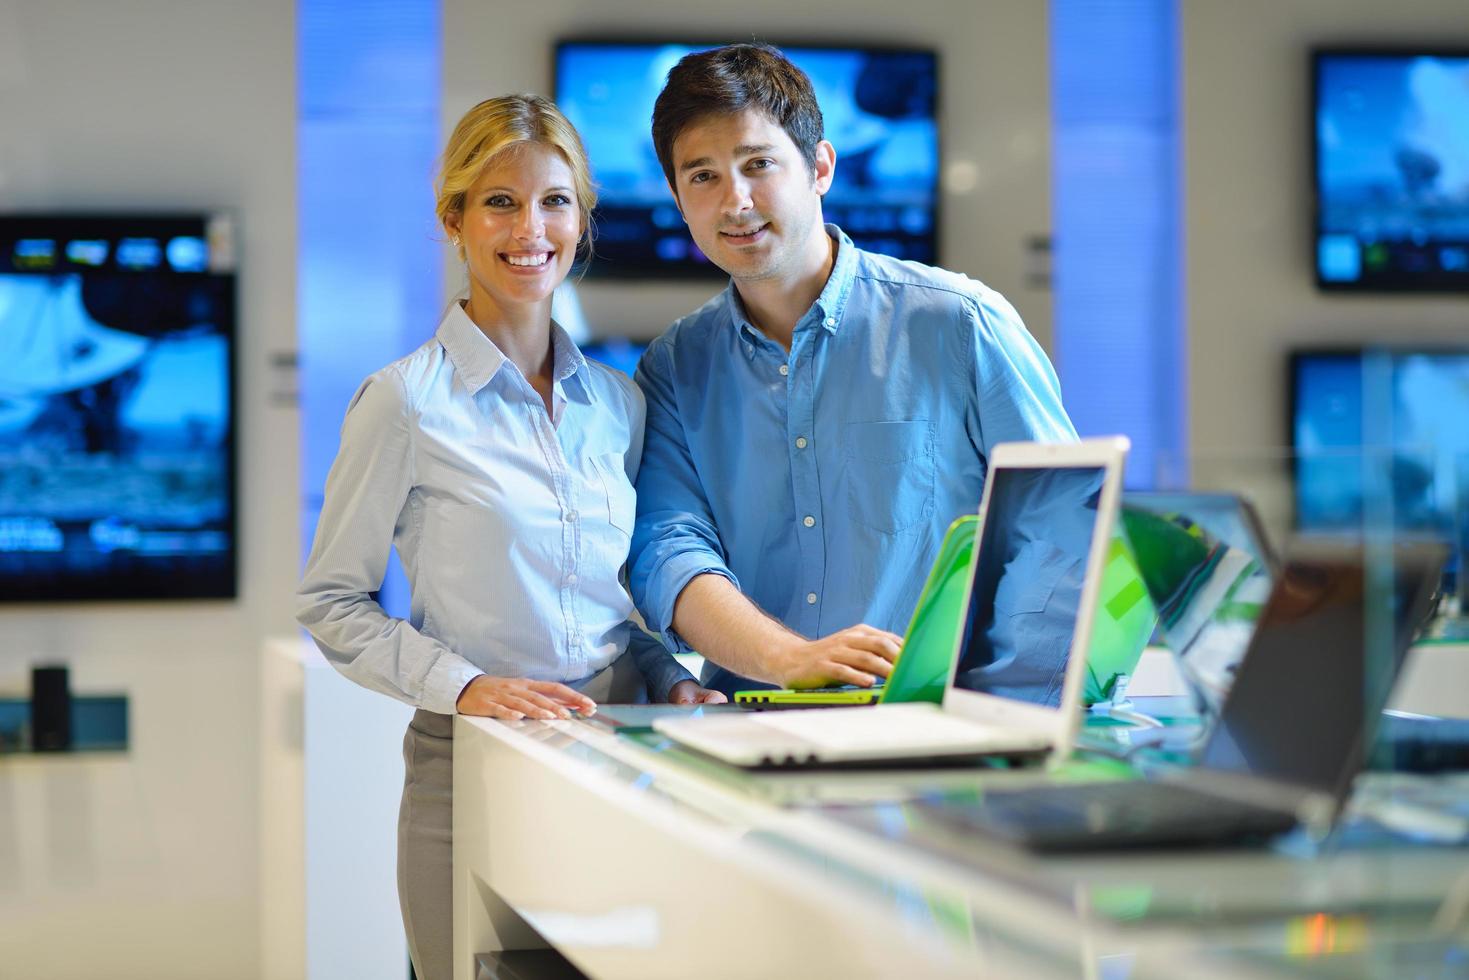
(731, 79)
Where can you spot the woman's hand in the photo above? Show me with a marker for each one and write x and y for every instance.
(689, 692)
(514, 698)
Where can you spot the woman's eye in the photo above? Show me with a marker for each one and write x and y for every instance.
(498, 201)
(557, 201)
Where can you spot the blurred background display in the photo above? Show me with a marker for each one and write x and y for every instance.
(1392, 170)
(880, 110)
(1380, 438)
(116, 430)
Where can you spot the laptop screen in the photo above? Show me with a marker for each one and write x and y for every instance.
(1029, 567)
(1300, 708)
(1205, 564)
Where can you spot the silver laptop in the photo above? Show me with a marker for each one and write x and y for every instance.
(1015, 683)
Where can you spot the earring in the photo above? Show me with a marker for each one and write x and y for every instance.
(456, 241)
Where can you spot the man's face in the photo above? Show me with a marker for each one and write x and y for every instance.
(751, 202)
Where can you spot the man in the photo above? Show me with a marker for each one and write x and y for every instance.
(813, 429)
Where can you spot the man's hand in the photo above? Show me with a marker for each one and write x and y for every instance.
(856, 655)
(514, 698)
(689, 692)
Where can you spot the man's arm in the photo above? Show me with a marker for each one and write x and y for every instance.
(682, 584)
(727, 628)
(1014, 393)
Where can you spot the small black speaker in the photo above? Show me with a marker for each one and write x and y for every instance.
(50, 709)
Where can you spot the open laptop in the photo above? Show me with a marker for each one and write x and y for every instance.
(1207, 567)
(1014, 678)
(921, 670)
(1293, 734)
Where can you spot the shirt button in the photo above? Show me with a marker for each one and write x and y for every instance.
(576, 639)
(800, 442)
(809, 521)
(785, 369)
(572, 515)
(831, 321)
(571, 579)
(810, 598)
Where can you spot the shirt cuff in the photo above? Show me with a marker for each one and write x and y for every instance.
(445, 682)
(675, 574)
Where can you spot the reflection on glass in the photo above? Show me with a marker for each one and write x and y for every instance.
(1029, 567)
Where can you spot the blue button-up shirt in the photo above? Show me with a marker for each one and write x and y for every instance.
(512, 525)
(820, 482)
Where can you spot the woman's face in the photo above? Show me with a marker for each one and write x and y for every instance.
(519, 229)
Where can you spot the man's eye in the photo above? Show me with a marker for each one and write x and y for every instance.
(761, 164)
(700, 178)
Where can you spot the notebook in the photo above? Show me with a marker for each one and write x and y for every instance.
(1208, 568)
(921, 670)
(1014, 673)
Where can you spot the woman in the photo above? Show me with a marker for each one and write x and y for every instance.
(500, 464)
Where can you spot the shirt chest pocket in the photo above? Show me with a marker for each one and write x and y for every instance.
(611, 481)
(890, 473)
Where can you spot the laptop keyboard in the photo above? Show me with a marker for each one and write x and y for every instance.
(1087, 816)
(917, 725)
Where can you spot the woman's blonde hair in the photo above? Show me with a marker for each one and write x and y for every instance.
(496, 125)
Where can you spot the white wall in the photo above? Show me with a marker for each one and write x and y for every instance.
(145, 864)
(1250, 293)
(995, 113)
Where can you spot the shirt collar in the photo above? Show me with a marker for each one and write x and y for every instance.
(477, 360)
(567, 361)
(829, 307)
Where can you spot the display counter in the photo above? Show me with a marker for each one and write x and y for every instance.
(637, 859)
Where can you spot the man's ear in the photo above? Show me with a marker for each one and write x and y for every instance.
(825, 170)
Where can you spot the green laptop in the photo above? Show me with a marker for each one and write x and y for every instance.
(1121, 628)
(922, 669)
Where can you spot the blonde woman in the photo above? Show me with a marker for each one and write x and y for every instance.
(500, 463)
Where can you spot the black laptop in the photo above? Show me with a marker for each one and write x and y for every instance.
(1292, 736)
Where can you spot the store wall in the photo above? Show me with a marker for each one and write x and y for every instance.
(1249, 285)
(995, 115)
(146, 864)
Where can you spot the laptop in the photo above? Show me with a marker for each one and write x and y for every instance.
(1207, 568)
(1014, 673)
(1293, 734)
(921, 669)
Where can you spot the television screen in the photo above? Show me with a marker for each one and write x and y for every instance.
(1392, 170)
(1389, 423)
(116, 408)
(880, 111)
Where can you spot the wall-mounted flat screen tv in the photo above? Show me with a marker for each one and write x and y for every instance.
(1391, 169)
(880, 107)
(1379, 437)
(117, 465)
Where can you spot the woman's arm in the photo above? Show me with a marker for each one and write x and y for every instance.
(367, 495)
